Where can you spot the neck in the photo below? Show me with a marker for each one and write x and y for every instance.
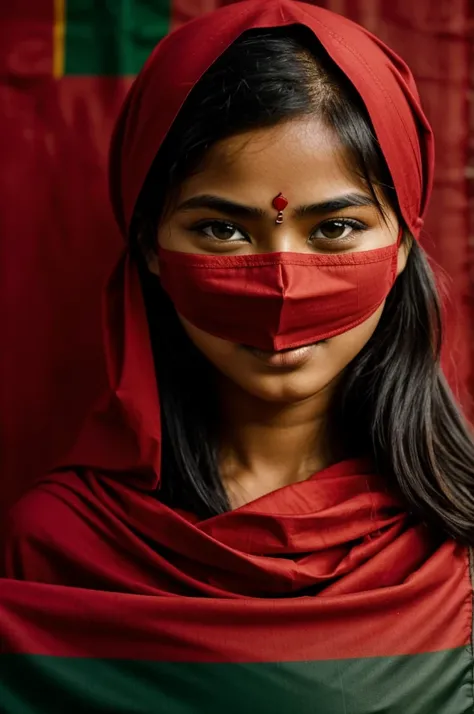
(265, 446)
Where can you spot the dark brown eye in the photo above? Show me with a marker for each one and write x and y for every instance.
(334, 230)
(222, 231)
(342, 229)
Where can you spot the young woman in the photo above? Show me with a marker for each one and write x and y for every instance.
(279, 466)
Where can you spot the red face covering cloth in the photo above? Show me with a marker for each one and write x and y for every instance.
(278, 301)
(325, 596)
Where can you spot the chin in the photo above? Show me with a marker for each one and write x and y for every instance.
(289, 388)
(286, 389)
(287, 377)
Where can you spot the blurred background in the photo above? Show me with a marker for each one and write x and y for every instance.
(65, 66)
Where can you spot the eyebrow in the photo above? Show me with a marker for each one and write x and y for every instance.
(238, 210)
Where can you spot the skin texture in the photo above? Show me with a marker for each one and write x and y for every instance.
(273, 419)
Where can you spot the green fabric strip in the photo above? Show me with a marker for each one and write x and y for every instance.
(112, 38)
(435, 683)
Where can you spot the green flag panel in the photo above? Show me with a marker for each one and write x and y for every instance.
(434, 683)
(112, 37)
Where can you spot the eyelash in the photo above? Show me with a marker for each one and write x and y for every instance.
(357, 226)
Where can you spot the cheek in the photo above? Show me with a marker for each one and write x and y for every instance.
(217, 351)
(342, 349)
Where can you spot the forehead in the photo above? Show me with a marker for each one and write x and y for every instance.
(300, 157)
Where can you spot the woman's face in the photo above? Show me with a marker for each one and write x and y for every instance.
(306, 162)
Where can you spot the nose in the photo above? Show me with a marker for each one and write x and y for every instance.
(284, 237)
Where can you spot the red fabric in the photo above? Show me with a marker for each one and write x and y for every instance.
(428, 615)
(294, 298)
(58, 244)
(369, 582)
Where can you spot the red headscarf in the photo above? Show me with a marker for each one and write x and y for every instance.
(382, 79)
(370, 581)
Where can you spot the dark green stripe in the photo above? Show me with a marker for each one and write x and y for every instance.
(437, 683)
(113, 37)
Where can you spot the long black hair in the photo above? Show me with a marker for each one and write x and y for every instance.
(392, 403)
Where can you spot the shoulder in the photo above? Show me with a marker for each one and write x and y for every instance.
(43, 507)
(43, 527)
(80, 530)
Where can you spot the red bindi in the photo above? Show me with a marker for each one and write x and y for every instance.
(280, 203)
